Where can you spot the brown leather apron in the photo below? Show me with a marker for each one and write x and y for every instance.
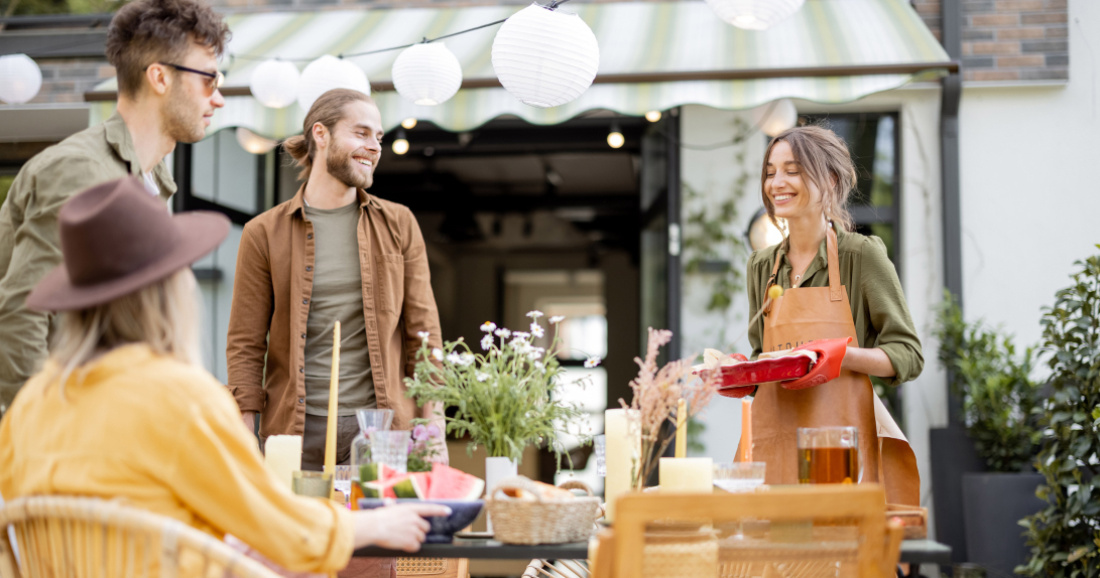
(804, 314)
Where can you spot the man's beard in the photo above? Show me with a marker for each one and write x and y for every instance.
(181, 122)
(342, 168)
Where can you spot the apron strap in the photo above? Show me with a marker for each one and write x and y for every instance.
(766, 307)
(835, 288)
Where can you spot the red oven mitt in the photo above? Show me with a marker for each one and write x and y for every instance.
(830, 354)
(737, 392)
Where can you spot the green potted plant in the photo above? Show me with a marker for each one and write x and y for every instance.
(1001, 405)
(1065, 534)
(505, 397)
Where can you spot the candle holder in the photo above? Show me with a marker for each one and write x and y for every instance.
(314, 484)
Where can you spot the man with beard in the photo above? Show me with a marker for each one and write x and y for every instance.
(165, 54)
(332, 253)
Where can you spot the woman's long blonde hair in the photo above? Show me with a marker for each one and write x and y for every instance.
(163, 316)
(825, 159)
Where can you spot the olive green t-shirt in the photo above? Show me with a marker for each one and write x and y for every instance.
(877, 301)
(337, 296)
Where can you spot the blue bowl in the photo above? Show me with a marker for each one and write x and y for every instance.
(443, 528)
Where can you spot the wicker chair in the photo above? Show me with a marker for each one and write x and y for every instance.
(784, 532)
(434, 567)
(72, 537)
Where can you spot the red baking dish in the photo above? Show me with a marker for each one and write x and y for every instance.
(764, 370)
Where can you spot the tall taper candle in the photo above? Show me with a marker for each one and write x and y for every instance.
(746, 430)
(333, 400)
(681, 429)
(623, 448)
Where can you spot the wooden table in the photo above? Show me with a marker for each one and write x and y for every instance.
(912, 551)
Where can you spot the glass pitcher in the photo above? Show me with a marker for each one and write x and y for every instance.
(370, 420)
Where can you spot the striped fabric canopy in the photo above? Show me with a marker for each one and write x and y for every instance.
(653, 56)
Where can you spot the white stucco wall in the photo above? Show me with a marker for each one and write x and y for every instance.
(1030, 198)
(925, 398)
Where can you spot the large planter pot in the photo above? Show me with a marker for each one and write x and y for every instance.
(993, 505)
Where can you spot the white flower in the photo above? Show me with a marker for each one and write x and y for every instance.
(454, 358)
(438, 354)
(521, 335)
(465, 359)
(534, 314)
(539, 366)
(488, 326)
(482, 377)
(504, 333)
(537, 330)
(487, 341)
(534, 353)
(557, 319)
(591, 362)
(423, 335)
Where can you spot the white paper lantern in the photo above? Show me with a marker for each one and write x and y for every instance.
(545, 57)
(275, 83)
(20, 78)
(754, 14)
(427, 73)
(327, 73)
(776, 117)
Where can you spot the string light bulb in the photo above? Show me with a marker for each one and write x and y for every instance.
(653, 115)
(253, 142)
(754, 14)
(20, 78)
(776, 116)
(427, 74)
(400, 144)
(615, 138)
(275, 83)
(409, 123)
(545, 57)
(327, 73)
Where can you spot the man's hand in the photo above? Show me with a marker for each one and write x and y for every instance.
(249, 419)
(400, 527)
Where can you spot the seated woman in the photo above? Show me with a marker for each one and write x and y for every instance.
(124, 409)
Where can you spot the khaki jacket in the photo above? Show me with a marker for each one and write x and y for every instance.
(29, 241)
(271, 295)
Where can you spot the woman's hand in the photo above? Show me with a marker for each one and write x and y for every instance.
(401, 527)
(868, 360)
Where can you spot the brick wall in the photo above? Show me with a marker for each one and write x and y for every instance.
(67, 80)
(1008, 40)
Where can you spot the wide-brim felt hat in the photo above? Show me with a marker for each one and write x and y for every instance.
(116, 238)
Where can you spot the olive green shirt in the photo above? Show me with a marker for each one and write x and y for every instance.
(337, 295)
(878, 305)
(29, 241)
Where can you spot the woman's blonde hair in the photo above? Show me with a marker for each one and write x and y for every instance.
(163, 316)
(827, 164)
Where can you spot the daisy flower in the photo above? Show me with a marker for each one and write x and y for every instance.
(488, 326)
(591, 362)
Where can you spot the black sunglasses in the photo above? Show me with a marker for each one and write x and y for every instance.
(216, 78)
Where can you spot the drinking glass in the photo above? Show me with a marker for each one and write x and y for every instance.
(315, 484)
(391, 448)
(599, 445)
(739, 476)
(828, 455)
(369, 420)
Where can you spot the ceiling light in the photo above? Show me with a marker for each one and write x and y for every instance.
(400, 144)
(615, 138)
(653, 115)
(409, 123)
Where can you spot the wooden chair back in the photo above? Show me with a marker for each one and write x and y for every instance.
(781, 532)
(75, 537)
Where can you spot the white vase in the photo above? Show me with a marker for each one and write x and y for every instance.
(497, 470)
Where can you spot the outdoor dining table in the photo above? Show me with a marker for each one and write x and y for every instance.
(912, 551)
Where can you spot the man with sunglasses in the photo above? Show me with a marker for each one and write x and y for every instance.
(165, 54)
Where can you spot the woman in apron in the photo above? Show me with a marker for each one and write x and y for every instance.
(837, 284)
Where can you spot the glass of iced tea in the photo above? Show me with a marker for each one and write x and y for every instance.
(828, 455)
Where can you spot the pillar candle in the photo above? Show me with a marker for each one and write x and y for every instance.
(623, 448)
(333, 403)
(681, 429)
(686, 475)
(283, 455)
(746, 430)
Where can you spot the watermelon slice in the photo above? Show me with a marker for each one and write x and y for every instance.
(447, 483)
(373, 472)
(421, 483)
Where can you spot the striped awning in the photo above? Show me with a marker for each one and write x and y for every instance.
(653, 56)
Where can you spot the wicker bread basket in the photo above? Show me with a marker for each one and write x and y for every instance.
(540, 521)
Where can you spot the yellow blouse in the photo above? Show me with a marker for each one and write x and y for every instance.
(166, 437)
